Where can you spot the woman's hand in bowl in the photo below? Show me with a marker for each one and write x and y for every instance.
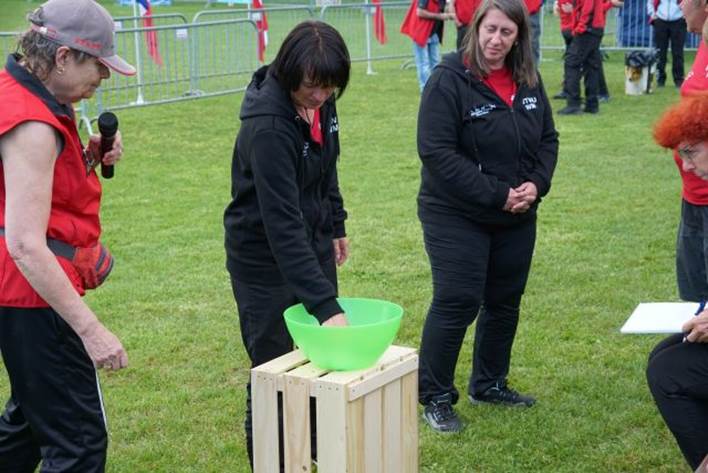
(337, 320)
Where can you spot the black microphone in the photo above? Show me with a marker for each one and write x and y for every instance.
(108, 126)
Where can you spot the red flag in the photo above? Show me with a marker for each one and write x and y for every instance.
(261, 21)
(150, 36)
(379, 23)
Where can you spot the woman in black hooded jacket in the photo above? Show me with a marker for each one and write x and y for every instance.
(284, 227)
(488, 146)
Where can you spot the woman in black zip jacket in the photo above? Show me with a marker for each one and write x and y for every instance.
(488, 146)
(285, 224)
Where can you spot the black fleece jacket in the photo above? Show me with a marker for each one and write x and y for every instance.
(286, 207)
(474, 147)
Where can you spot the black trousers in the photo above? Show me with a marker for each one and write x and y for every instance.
(678, 379)
(602, 89)
(473, 266)
(583, 57)
(265, 336)
(673, 32)
(692, 252)
(55, 413)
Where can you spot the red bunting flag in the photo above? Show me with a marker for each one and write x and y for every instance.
(150, 36)
(379, 23)
(262, 26)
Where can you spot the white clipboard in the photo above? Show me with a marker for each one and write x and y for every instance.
(659, 317)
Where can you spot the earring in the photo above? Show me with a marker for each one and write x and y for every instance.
(60, 70)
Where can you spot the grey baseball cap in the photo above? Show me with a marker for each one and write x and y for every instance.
(83, 25)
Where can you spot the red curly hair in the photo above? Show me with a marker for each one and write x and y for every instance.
(685, 122)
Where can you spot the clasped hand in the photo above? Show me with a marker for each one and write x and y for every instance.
(521, 198)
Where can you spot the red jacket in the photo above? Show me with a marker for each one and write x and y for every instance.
(76, 193)
(589, 14)
(533, 6)
(417, 28)
(567, 20)
(465, 9)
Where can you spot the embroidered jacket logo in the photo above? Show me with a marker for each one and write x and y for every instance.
(482, 110)
(306, 150)
(333, 125)
(529, 103)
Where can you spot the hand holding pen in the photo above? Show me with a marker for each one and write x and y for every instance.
(696, 329)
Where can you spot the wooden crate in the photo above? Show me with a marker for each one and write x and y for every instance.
(366, 420)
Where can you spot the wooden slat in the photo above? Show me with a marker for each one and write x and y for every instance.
(355, 437)
(331, 427)
(392, 434)
(373, 425)
(392, 355)
(380, 378)
(264, 397)
(308, 371)
(282, 364)
(409, 423)
(296, 423)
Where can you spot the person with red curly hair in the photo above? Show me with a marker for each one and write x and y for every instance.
(683, 128)
(678, 366)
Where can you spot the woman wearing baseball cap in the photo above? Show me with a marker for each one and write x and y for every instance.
(50, 253)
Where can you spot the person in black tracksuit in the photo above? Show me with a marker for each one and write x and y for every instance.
(285, 230)
(475, 151)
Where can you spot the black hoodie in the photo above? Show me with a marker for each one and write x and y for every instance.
(474, 147)
(286, 207)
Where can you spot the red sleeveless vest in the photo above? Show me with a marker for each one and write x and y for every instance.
(76, 191)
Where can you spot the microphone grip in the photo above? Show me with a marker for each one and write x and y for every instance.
(108, 127)
(106, 146)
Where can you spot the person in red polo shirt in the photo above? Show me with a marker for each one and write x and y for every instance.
(583, 57)
(564, 10)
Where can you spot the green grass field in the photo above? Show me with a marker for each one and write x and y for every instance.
(606, 242)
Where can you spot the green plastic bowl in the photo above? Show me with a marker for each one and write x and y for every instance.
(373, 325)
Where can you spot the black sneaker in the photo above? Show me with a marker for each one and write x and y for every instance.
(504, 396)
(571, 110)
(604, 98)
(440, 415)
(560, 96)
(592, 110)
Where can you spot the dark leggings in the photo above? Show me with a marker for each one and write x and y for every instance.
(473, 266)
(678, 379)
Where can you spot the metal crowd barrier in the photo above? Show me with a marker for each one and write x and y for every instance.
(280, 21)
(355, 23)
(217, 51)
(198, 60)
(161, 19)
(8, 44)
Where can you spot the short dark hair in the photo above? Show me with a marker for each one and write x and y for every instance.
(520, 59)
(315, 51)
